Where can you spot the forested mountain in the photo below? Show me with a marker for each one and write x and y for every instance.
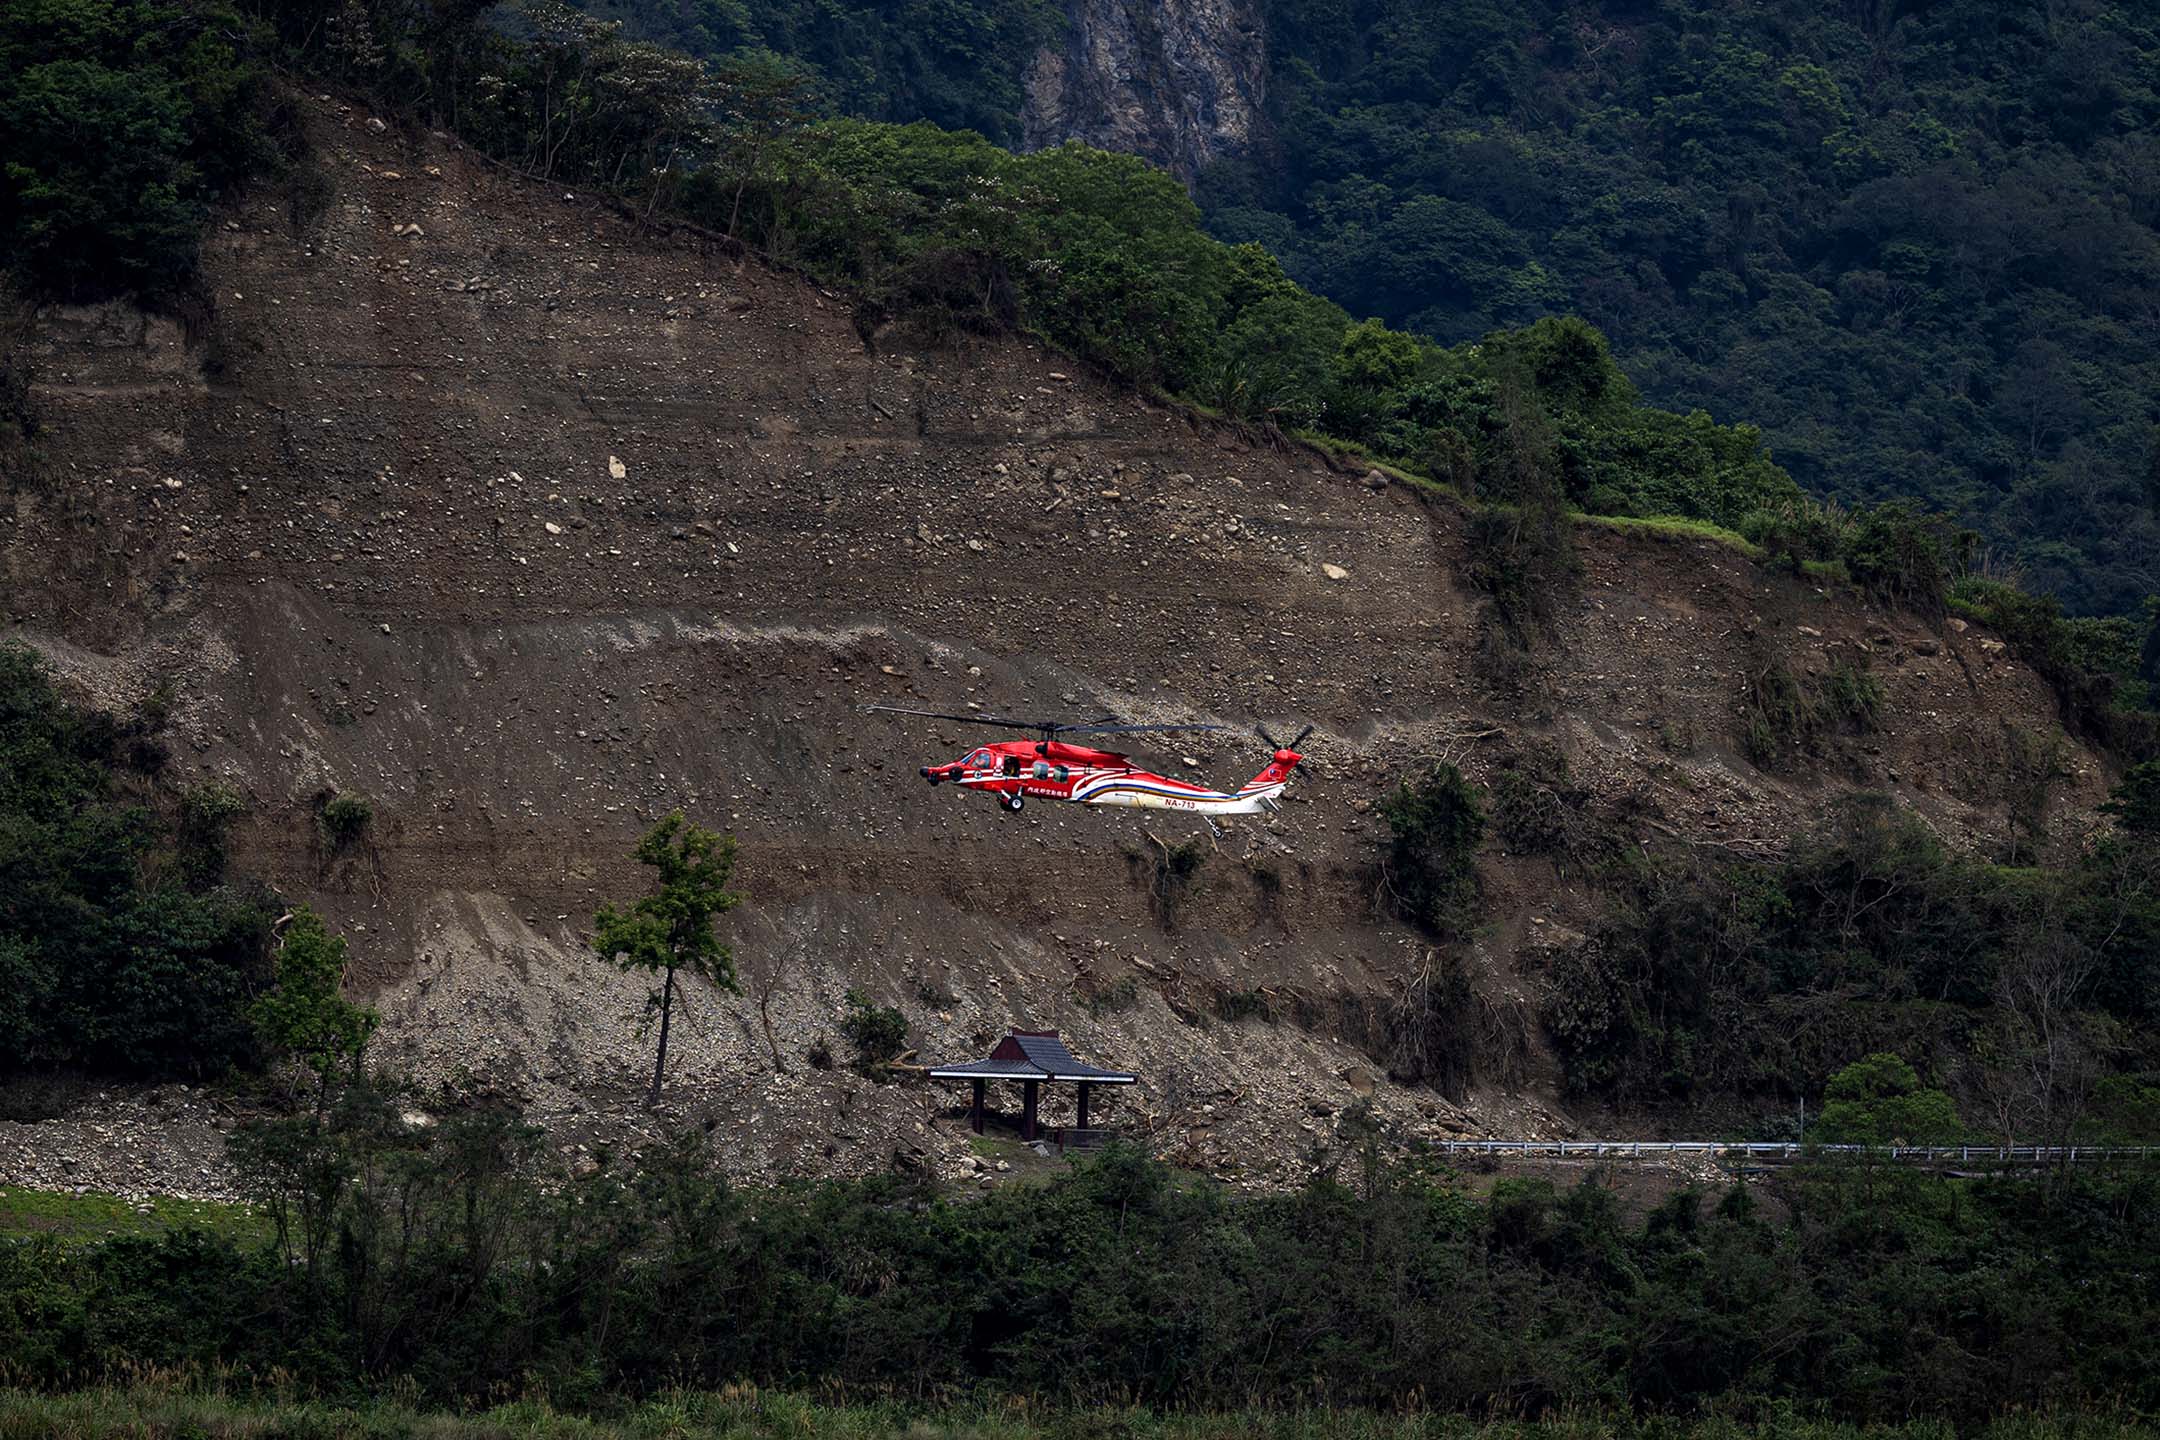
(1913, 243)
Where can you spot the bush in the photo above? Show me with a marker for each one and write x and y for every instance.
(207, 810)
(1538, 810)
(1430, 873)
(305, 1015)
(1170, 874)
(2135, 801)
(1783, 718)
(344, 818)
(1879, 1101)
(2093, 666)
(878, 1032)
(1798, 532)
(457, 1265)
(1904, 556)
(1748, 979)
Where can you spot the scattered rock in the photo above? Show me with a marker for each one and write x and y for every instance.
(1334, 572)
(616, 469)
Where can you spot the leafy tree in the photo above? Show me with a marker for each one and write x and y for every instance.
(1435, 825)
(2135, 802)
(111, 962)
(305, 1014)
(671, 929)
(1879, 1101)
(765, 98)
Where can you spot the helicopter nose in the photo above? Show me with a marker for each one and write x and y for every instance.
(925, 772)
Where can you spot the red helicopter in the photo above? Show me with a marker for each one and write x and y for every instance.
(1051, 769)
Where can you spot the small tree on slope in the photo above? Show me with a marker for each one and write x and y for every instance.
(671, 929)
(304, 1015)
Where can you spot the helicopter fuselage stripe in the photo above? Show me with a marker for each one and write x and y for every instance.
(1131, 788)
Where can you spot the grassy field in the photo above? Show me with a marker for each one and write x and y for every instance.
(166, 1411)
(82, 1219)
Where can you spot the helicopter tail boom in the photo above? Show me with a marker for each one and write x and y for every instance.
(1273, 777)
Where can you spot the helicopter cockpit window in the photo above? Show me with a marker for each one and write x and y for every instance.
(980, 760)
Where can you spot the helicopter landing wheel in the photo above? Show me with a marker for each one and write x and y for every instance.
(1014, 802)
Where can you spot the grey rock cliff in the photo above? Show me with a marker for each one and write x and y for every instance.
(1178, 81)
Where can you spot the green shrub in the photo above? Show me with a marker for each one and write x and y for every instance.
(1902, 555)
(1538, 810)
(1852, 696)
(457, 1265)
(1879, 1101)
(1715, 976)
(1430, 873)
(1121, 994)
(2135, 800)
(878, 1032)
(305, 1014)
(207, 810)
(1784, 718)
(344, 818)
(1798, 532)
(2093, 666)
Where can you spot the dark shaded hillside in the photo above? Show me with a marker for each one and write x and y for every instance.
(1915, 244)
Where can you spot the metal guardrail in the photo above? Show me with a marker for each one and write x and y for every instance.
(1793, 1150)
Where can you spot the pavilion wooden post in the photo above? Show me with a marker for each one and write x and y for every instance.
(1029, 1090)
(975, 1111)
(1083, 1106)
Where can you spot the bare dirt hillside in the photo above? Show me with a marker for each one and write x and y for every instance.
(530, 527)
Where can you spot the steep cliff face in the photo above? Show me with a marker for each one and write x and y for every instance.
(531, 527)
(1180, 82)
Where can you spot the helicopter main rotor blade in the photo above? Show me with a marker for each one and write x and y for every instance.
(1004, 721)
(1134, 729)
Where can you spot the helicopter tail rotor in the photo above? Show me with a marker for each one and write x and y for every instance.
(1292, 747)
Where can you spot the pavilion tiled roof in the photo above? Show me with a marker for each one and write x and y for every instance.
(1030, 1055)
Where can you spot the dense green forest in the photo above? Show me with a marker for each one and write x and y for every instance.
(1917, 244)
(455, 1262)
(956, 63)
(124, 947)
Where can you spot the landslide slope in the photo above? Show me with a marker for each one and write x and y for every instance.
(474, 498)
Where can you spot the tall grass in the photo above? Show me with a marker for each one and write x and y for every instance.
(167, 1408)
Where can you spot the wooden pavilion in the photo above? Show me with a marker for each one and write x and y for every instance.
(1034, 1058)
